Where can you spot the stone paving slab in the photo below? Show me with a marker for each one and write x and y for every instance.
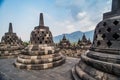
(9, 72)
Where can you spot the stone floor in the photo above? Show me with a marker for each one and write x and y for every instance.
(9, 72)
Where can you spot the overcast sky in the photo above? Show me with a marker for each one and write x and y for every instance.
(62, 16)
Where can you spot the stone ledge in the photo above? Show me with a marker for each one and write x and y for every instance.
(38, 57)
(38, 61)
(39, 66)
(101, 65)
(82, 74)
(104, 57)
(97, 74)
(74, 74)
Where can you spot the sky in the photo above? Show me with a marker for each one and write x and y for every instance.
(62, 16)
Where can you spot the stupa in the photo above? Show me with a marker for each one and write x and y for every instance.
(41, 53)
(83, 42)
(102, 61)
(10, 45)
(64, 43)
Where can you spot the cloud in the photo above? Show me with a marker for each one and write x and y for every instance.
(85, 13)
(81, 15)
(62, 16)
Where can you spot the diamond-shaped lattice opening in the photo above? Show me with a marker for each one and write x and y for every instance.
(98, 43)
(47, 37)
(116, 36)
(96, 36)
(109, 43)
(40, 42)
(103, 36)
(38, 38)
(42, 32)
(8, 37)
(116, 22)
(42, 38)
(46, 42)
(99, 31)
(109, 29)
(104, 24)
(35, 35)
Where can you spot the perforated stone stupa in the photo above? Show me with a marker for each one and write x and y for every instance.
(83, 42)
(102, 61)
(64, 43)
(10, 45)
(41, 53)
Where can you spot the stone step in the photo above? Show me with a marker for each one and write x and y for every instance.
(97, 74)
(38, 61)
(113, 58)
(38, 57)
(39, 66)
(108, 50)
(83, 75)
(74, 74)
(107, 67)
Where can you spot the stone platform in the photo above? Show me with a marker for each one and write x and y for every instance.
(9, 72)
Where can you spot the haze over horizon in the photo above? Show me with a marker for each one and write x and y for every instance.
(62, 16)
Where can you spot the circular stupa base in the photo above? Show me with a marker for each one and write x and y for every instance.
(10, 51)
(39, 62)
(9, 54)
(97, 66)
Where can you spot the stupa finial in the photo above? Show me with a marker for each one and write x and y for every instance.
(115, 5)
(115, 11)
(10, 28)
(41, 21)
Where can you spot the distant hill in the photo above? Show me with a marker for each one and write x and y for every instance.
(73, 37)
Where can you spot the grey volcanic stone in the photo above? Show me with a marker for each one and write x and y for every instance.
(101, 62)
(58, 73)
(64, 43)
(41, 53)
(115, 10)
(11, 45)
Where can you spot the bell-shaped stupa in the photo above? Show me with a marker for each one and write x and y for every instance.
(10, 45)
(102, 61)
(64, 43)
(41, 52)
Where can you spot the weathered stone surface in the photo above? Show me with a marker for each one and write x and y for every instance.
(115, 10)
(41, 53)
(9, 72)
(64, 43)
(102, 61)
(10, 45)
(73, 50)
(83, 43)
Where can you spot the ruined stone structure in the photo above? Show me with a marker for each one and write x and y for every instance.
(74, 50)
(102, 61)
(10, 45)
(84, 43)
(64, 43)
(41, 53)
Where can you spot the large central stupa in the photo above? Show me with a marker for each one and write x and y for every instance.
(41, 52)
(102, 61)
